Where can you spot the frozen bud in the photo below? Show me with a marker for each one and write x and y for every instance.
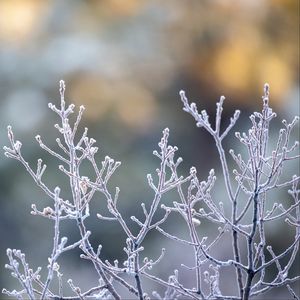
(236, 114)
(64, 240)
(57, 190)
(266, 89)
(257, 114)
(182, 93)
(204, 239)
(56, 267)
(17, 145)
(58, 128)
(94, 150)
(48, 211)
(238, 134)
(33, 212)
(193, 171)
(179, 160)
(203, 112)
(166, 131)
(193, 106)
(196, 222)
(146, 297)
(83, 186)
(212, 172)
(62, 87)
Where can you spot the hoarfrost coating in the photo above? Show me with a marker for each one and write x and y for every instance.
(259, 171)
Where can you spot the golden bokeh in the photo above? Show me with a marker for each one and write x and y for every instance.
(133, 105)
(18, 19)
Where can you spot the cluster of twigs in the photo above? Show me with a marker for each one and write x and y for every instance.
(257, 174)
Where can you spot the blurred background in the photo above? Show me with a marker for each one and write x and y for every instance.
(126, 62)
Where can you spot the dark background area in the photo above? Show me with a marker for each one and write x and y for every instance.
(126, 61)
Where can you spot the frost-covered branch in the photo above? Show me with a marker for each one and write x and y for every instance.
(259, 171)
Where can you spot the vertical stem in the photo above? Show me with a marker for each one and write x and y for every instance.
(136, 276)
(195, 240)
(235, 246)
(248, 285)
(74, 184)
(251, 272)
(55, 247)
(141, 235)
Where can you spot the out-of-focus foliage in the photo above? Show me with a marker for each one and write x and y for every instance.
(126, 61)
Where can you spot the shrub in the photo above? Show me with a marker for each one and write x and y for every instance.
(259, 172)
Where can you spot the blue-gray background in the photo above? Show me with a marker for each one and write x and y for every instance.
(126, 62)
